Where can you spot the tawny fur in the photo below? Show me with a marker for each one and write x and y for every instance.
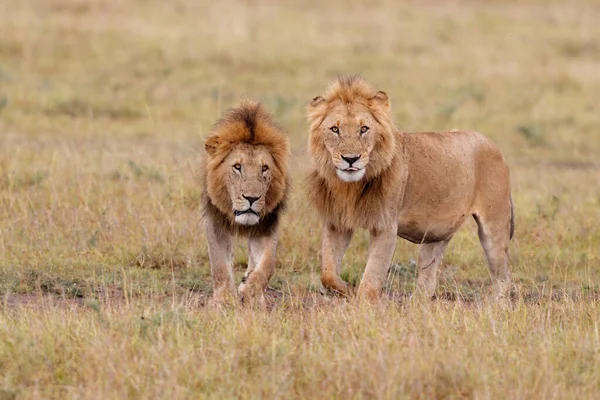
(246, 137)
(419, 186)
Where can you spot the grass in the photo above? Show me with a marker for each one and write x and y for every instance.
(103, 265)
(334, 350)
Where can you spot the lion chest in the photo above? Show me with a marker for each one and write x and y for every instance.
(357, 206)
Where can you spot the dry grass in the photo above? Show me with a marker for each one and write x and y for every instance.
(152, 350)
(103, 107)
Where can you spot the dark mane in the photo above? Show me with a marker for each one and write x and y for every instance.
(250, 114)
(249, 123)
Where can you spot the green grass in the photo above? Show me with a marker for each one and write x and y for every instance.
(103, 110)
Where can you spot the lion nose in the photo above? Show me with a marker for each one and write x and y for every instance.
(350, 160)
(251, 199)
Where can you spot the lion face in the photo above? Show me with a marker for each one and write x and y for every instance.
(244, 172)
(351, 133)
(247, 175)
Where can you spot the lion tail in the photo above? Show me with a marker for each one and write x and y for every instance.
(512, 218)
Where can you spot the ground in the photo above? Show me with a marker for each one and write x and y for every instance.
(104, 272)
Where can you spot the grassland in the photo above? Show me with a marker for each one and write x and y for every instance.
(103, 265)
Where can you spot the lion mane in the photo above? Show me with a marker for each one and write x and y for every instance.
(364, 203)
(249, 123)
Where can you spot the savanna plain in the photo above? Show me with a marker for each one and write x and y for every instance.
(104, 274)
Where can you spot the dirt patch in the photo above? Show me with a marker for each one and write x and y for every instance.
(275, 298)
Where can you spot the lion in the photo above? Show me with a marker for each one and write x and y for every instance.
(245, 185)
(418, 186)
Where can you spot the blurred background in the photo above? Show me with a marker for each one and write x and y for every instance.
(104, 105)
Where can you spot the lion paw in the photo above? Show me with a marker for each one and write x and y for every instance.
(251, 295)
(222, 299)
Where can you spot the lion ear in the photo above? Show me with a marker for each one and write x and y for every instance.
(317, 101)
(211, 145)
(381, 99)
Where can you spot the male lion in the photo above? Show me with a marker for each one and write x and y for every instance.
(419, 186)
(245, 182)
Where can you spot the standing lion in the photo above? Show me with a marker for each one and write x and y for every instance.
(245, 184)
(419, 186)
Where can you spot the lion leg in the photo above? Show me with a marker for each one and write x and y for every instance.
(261, 265)
(335, 244)
(255, 250)
(430, 257)
(494, 235)
(220, 254)
(381, 252)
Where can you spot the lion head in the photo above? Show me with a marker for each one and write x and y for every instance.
(245, 172)
(351, 132)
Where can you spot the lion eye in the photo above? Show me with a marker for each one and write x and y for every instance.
(237, 167)
(265, 167)
(364, 129)
(335, 129)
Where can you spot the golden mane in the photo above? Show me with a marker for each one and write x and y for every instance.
(251, 124)
(351, 90)
(247, 123)
(363, 203)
